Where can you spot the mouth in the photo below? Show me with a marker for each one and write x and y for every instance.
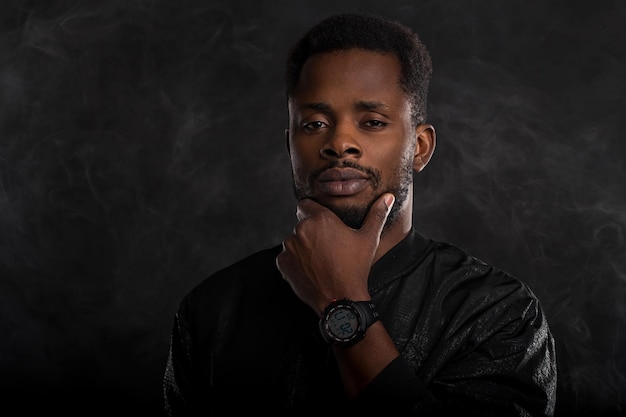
(342, 181)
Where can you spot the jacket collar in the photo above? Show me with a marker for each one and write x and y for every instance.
(399, 260)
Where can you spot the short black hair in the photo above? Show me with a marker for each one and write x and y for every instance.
(373, 33)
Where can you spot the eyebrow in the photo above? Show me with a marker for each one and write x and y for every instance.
(372, 105)
(361, 105)
(321, 106)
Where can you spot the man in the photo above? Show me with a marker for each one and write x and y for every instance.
(356, 313)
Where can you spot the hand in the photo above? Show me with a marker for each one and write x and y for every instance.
(323, 259)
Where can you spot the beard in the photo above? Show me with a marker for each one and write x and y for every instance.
(354, 215)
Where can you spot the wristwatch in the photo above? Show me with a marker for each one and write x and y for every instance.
(344, 321)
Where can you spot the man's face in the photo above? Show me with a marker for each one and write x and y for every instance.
(351, 138)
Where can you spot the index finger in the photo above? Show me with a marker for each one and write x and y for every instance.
(307, 208)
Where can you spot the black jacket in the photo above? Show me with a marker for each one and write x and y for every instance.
(473, 341)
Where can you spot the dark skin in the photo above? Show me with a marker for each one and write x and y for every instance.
(349, 106)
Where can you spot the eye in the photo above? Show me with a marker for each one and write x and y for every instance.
(375, 124)
(314, 125)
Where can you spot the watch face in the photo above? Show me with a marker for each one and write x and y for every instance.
(343, 323)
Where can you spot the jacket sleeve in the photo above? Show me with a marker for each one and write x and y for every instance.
(507, 367)
(497, 358)
(177, 371)
(184, 391)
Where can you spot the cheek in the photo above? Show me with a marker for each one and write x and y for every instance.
(296, 162)
(299, 166)
(399, 165)
(303, 154)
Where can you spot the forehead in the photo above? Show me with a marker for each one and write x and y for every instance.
(353, 73)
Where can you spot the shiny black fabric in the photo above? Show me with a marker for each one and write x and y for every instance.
(473, 342)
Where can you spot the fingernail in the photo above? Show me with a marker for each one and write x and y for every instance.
(389, 200)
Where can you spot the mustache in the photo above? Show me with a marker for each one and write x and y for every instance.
(372, 173)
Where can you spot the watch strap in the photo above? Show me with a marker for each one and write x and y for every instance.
(368, 312)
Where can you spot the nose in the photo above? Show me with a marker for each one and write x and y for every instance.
(341, 143)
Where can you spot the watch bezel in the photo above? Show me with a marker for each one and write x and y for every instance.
(365, 312)
(327, 332)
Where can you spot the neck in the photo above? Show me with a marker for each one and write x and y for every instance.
(393, 233)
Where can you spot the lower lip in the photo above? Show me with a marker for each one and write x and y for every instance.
(342, 188)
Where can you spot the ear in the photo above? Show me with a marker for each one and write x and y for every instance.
(287, 142)
(426, 139)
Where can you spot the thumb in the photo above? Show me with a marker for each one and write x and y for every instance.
(377, 215)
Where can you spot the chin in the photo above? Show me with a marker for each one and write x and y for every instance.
(353, 215)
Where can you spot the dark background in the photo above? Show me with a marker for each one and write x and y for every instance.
(141, 149)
